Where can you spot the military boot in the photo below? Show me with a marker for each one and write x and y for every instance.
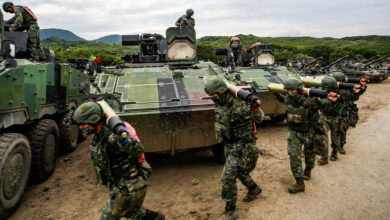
(252, 193)
(334, 156)
(307, 174)
(230, 212)
(297, 187)
(323, 161)
(151, 215)
(342, 150)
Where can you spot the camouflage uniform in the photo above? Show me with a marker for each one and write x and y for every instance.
(330, 114)
(235, 126)
(350, 115)
(190, 23)
(302, 118)
(117, 168)
(23, 20)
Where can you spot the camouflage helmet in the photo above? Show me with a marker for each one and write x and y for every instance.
(190, 12)
(88, 112)
(339, 76)
(291, 84)
(329, 83)
(215, 85)
(6, 5)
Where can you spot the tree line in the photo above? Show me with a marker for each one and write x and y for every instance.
(286, 48)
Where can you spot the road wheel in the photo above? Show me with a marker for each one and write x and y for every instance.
(15, 164)
(43, 137)
(69, 135)
(219, 153)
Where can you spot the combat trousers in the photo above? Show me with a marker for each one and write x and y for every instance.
(332, 124)
(123, 203)
(295, 140)
(34, 43)
(241, 159)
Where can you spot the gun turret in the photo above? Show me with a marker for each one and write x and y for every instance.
(368, 60)
(310, 63)
(377, 60)
(335, 62)
(152, 48)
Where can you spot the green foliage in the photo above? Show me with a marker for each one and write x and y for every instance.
(286, 48)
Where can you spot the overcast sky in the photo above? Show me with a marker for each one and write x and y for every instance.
(326, 18)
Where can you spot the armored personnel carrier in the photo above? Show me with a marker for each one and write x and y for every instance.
(34, 100)
(367, 69)
(160, 91)
(260, 74)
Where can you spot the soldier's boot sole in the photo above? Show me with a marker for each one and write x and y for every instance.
(307, 174)
(334, 157)
(323, 161)
(297, 187)
(252, 194)
(342, 151)
(229, 215)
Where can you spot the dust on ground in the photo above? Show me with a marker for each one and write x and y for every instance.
(188, 186)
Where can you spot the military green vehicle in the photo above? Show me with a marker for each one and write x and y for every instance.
(367, 69)
(260, 74)
(34, 100)
(160, 91)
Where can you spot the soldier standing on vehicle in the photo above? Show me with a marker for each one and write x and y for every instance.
(118, 163)
(24, 19)
(302, 118)
(236, 128)
(187, 19)
(236, 48)
(330, 114)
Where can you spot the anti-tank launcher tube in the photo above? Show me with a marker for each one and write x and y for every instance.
(112, 119)
(311, 92)
(239, 93)
(318, 83)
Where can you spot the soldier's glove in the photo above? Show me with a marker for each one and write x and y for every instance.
(123, 133)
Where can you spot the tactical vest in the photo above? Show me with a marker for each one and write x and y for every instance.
(298, 115)
(234, 120)
(99, 157)
(331, 109)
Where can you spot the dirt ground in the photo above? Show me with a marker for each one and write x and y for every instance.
(188, 186)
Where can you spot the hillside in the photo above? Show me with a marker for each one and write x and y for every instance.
(110, 39)
(60, 34)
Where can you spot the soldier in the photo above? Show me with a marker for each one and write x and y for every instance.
(24, 19)
(235, 126)
(330, 114)
(302, 118)
(236, 49)
(349, 113)
(186, 20)
(118, 163)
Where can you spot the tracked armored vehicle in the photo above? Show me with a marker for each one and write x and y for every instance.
(34, 99)
(160, 91)
(260, 74)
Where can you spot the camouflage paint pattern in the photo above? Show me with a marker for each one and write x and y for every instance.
(117, 168)
(235, 125)
(302, 119)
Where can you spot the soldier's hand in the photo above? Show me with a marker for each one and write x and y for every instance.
(11, 30)
(332, 96)
(363, 82)
(357, 88)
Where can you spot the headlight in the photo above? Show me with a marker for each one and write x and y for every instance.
(265, 58)
(181, 50)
